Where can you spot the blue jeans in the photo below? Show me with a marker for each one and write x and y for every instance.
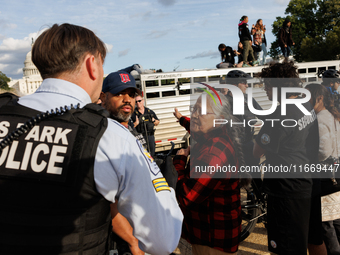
(286, 51)
(264, 54)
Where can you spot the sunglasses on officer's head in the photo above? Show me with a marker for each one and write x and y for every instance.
(138, 101)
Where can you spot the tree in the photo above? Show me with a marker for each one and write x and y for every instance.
(4, 81)
(328, 46)
(315, 28)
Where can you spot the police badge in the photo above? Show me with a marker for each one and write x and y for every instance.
(265, 139)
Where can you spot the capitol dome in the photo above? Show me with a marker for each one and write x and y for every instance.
(30, 70)
(31, 80)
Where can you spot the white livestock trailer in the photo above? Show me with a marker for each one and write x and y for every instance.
(165, 91)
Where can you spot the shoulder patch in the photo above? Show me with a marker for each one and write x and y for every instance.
(151, 162)
(265, 139)
(160, 184)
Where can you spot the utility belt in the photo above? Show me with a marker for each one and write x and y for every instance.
(149, 133)
(146, 126)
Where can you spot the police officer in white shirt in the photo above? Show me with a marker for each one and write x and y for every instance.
(56, 189)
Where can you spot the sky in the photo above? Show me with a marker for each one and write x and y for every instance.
(157, 34)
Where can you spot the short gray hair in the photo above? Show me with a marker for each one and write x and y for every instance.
(235, 132)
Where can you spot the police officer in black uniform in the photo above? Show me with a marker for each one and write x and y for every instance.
(145, 121)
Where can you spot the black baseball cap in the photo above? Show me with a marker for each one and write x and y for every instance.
(118, 81)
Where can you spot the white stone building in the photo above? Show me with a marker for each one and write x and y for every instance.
(31, 79)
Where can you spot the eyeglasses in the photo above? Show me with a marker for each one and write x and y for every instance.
(138, 101)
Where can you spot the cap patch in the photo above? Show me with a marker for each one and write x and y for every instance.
(273, 244)
(124, 77)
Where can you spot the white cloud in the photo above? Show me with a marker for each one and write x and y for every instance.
(11, 44)
(5, 57)
(13, 54)
(156, 25)
(205, 54)
(123, 52)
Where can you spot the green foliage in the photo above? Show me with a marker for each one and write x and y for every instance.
(328, 46)
(331, 13)
(315, 29)
(4, 81)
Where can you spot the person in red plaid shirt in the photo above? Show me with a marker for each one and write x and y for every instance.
(210, 202)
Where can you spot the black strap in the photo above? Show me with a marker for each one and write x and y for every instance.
(5, 98)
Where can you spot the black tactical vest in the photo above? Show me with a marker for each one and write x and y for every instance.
(48, 199)
(145, 126)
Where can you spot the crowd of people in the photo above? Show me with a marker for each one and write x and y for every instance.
(211, 204)
(300, 216)
(77, 174)
(252, 42)
(81, 168)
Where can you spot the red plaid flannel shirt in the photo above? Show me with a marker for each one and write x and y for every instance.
(211, 207)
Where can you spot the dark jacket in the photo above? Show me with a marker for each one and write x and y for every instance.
(285, 36)
(243, 32)
(228, 55)
(146, 125)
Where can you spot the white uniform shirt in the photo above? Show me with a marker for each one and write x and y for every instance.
(123, 171)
